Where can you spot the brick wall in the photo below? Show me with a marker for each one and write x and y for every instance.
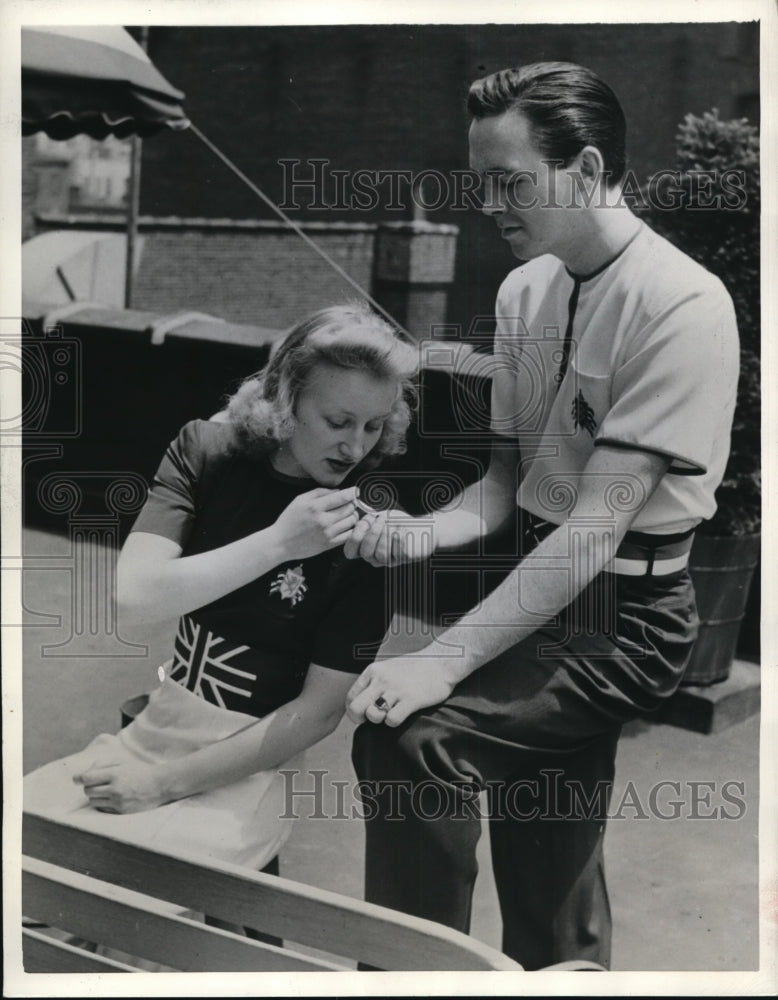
(265, 273)
(260, 273)
(28, 188)
(242, 272)
(45, 185)
(391, 97)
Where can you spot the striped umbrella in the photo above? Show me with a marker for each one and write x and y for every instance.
(93, 80)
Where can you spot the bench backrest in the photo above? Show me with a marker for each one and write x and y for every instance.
(123, 896)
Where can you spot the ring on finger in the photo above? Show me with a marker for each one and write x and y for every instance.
(381, 704)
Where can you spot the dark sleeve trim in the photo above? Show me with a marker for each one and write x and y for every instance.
(674, 470)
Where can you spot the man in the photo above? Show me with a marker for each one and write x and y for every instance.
(613, 409)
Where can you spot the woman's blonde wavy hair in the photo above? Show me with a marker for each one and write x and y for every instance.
(348, 336)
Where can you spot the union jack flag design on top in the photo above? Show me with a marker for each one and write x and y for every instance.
(205, 664)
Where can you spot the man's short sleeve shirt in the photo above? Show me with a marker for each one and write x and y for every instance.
(653, 365)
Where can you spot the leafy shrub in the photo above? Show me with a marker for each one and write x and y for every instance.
(714, 218)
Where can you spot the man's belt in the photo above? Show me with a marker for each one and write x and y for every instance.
(644, 567)
(643, 554)
(640, 553)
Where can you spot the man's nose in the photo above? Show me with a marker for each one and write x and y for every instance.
(492, 209)
(493, 200)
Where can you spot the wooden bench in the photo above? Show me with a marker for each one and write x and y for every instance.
(113, 893)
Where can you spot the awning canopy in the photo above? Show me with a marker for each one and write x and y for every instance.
(93, 80)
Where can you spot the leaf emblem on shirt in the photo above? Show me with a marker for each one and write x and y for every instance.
(583, 414)
(290, 585)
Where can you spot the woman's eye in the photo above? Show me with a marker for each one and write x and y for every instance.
(336, 425)
(374, 428)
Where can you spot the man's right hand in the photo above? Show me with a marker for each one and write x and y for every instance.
(315, 522)
(390, 538)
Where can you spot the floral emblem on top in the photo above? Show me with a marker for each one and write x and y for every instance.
(583, 414)
(290, 585)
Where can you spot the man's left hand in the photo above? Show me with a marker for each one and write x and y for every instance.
(122, 788)
(390, 690)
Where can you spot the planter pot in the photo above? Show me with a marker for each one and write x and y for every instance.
(722, 569)
(748, 643)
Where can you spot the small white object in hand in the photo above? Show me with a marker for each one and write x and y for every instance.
(362, 508)
(161, 674)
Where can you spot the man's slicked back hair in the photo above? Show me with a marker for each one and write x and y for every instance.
(567, 107)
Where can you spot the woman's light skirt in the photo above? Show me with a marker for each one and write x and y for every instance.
(243, 823)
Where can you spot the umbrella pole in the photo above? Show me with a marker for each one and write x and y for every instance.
(132, 219)
(134, 205)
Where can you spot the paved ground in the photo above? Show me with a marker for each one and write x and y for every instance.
(684, 890)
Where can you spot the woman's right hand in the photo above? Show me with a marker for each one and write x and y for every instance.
(316, 521)
(127, 787)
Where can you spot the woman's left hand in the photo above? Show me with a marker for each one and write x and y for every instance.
(390, 538)
(122, 788)
(400, 685)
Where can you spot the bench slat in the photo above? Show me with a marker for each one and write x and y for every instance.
(136, 924)
(45, 954)
(336, 924)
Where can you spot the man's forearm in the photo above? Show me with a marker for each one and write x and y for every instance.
(483, 508)
(452, 529)
(543, 584)
(534, 592)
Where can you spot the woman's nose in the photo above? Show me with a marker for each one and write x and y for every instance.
(353, 447)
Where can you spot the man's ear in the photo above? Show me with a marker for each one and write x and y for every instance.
(591, 163)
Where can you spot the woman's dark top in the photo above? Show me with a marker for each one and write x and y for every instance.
(249, 650)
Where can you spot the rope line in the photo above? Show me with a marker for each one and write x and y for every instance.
(294, 226)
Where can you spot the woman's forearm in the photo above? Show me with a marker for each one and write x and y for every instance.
(262, 746)
(155, 582)
(172, 587)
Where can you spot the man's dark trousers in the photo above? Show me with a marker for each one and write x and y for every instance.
(537, 728)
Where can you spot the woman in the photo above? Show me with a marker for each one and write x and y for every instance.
(241, 536)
